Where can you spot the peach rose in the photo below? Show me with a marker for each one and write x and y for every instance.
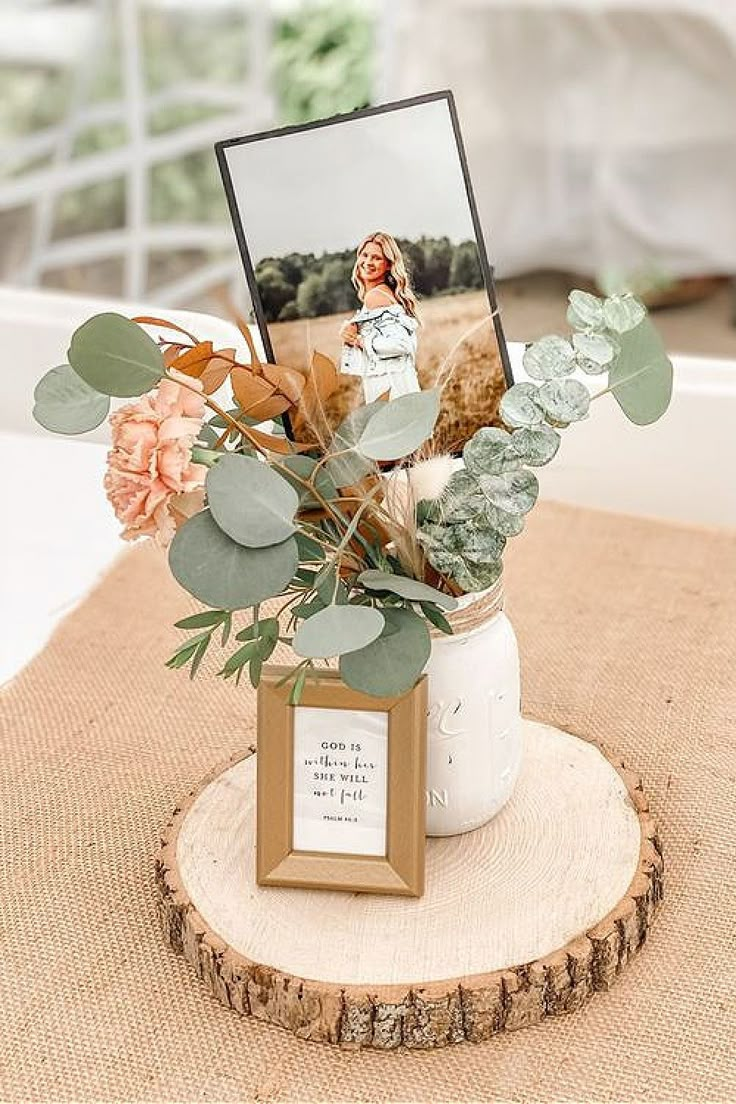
(150, 463)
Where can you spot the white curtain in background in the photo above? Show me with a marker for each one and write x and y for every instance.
(599, 134)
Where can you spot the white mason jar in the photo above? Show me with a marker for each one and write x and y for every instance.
(474, 720)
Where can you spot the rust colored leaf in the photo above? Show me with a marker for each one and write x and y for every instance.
(249, 389)
(171, 354)
(288, 381)
(280, 445)
(144, 320)
(245, 331)
(269, 408)
(217, 370)
(324, 373)
(194, 361)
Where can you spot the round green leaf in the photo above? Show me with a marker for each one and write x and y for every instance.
(641, 378)
(394, 661)
(536, 446)
(622, 313)
(585, 311)
(411, 589)
(115, 356)
(549, 358)
(472, 577)
(512, 492)
(336, 630)
(442, 557)
(594, 352)
(479, 542)
(224, 574)
(489, 452)
(64, 403)
(564, 401)
(461, 498)
(509, 525)
(251, 502)
(519, 406)
(400, 426)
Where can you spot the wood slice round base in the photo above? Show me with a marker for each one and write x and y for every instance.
(523, 918)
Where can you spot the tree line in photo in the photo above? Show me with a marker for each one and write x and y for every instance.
(302, 285)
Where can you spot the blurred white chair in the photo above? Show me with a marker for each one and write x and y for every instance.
(79, 44)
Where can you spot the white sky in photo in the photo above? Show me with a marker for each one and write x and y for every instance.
(322, 190)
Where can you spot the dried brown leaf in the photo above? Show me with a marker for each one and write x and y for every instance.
(245, 331)
(288, 381)
(217, 370)
(144, 320)
(194, 361)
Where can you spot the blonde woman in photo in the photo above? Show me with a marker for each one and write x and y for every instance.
(380, 340)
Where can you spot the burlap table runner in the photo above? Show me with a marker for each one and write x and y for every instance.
(627, 633)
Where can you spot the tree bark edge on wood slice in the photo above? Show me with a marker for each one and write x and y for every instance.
(437, 1014)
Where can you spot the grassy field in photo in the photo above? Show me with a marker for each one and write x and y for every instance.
(474, 374)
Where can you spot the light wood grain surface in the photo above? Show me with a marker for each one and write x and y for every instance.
(522, 918)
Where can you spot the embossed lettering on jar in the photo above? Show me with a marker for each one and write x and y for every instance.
(474, 720)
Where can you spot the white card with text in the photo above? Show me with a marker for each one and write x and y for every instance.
(340, 781)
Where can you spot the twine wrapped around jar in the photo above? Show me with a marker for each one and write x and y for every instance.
(471, 615)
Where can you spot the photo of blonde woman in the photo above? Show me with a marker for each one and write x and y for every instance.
(381, 266)
(379, 342)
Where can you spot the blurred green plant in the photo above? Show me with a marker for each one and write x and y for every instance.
(323, 60)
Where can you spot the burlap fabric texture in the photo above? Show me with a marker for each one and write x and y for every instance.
(628, 634)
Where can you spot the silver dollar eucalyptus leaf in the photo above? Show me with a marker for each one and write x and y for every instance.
(519, 406)
(394, 661)
(64, 403)
(472, 577)
(536, 446)
(595, 352)
(400, 426)
(479, 542)
(336, 630)
(622, 313)
(564, 401)
(509, 525)
(224, 574)
(513, 492)
(489, 452)
(115, 356)
(641, 379)
(585, 311)
(462, 498)
(250, 501)
(440, 548)
(549, 358)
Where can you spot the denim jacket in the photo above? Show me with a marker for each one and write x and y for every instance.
(389, 337)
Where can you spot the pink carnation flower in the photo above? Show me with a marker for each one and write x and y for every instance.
(150, 462)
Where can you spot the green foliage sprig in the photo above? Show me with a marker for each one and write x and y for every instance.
(310, 528)
(464, 534)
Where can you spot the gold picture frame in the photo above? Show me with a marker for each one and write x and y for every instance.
(393, 751)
